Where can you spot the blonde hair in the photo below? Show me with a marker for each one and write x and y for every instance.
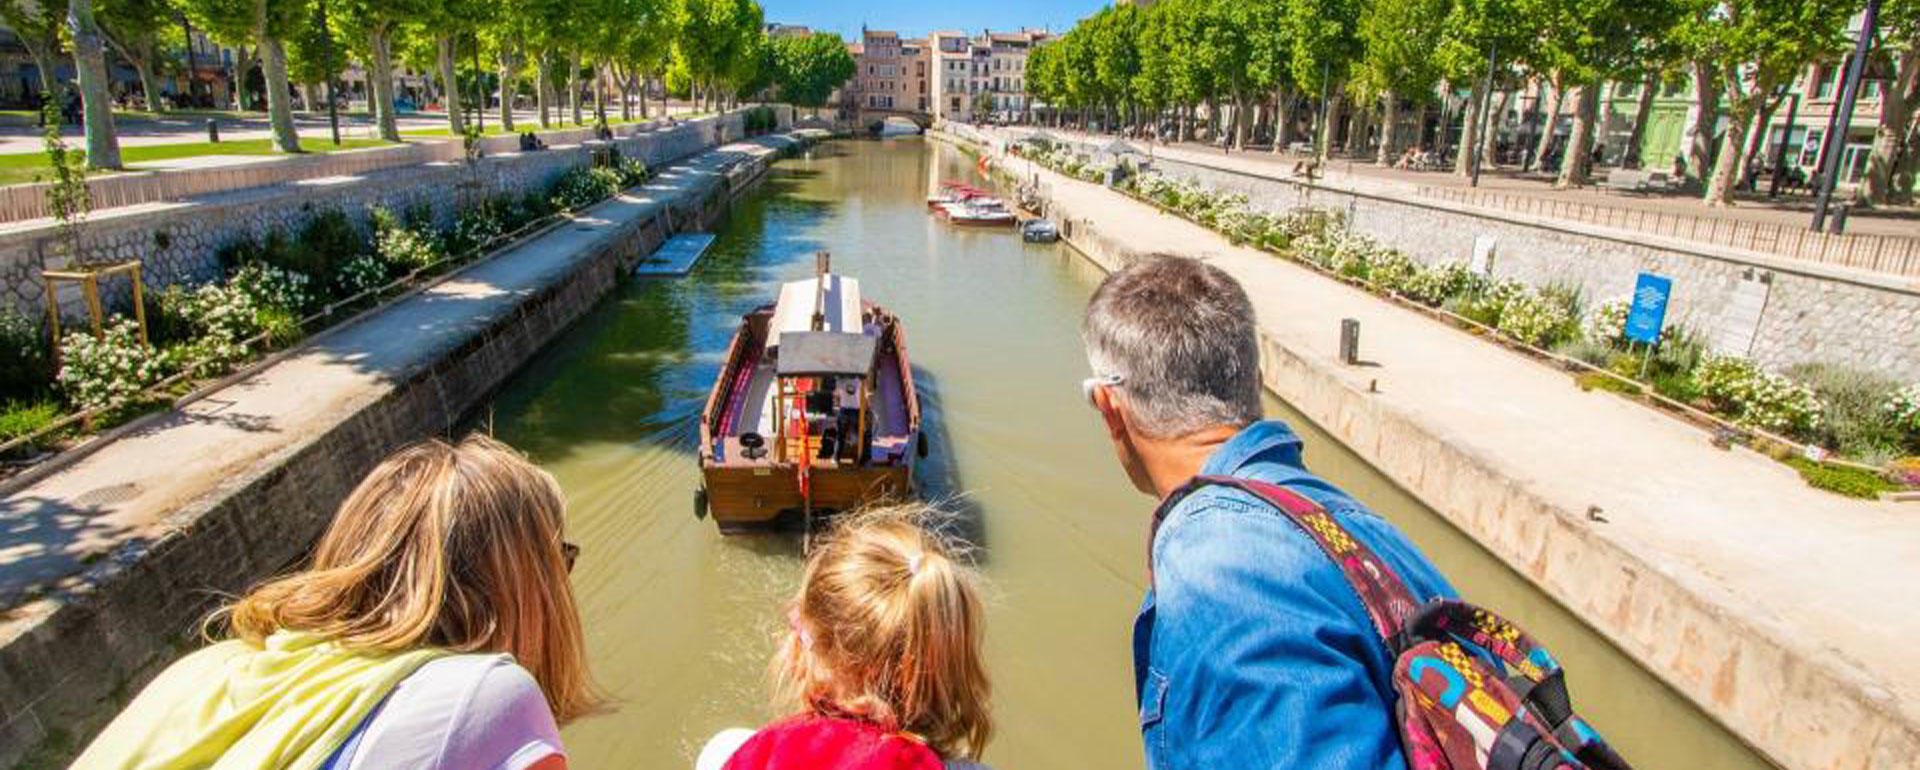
(455, 546)
(887, 628)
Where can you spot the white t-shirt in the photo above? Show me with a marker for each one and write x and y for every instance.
(461, 712)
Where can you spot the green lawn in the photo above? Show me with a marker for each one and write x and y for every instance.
(18, 168)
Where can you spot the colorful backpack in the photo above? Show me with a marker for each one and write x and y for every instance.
(1475, 692)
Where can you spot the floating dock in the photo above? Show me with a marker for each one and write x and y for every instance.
(675, 257)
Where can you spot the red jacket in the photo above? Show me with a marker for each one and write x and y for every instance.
(823, 743)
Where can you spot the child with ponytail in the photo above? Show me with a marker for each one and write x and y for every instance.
(880, 665)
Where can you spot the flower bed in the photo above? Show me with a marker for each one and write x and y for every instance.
(273, 292)
(1841, 423)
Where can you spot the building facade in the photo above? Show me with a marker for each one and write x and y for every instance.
(980, 77)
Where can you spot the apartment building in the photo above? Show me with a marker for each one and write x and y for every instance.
(976, 77)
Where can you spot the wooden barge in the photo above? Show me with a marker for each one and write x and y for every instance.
(814, 410)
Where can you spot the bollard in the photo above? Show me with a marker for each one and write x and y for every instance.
(213, 130)
(1349, 341)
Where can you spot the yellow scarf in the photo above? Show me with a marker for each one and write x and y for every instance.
(232, 706)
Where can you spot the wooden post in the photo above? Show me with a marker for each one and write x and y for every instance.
(139, 301)
(53, 317)
(91, 284)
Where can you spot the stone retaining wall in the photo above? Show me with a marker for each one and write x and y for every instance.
(1805, 312)
(67, 670)
(180, 242)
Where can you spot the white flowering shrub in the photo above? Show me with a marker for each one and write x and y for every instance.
(106, 371)
(402, 248)
(1607, 321)
(360, 274)
(1756, 398)
(472, 229)
(222, 318)
(582, 186)
(269, 286)
(1534, 319)
(1393, 271)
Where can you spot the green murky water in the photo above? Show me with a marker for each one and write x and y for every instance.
(680, 620)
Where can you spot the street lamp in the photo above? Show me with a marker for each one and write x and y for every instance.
(1836, 139)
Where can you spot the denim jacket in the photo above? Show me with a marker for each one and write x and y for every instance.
(1251, 650)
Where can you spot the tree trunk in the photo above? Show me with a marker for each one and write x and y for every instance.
(1283, 120)
(380, 81)
(1642, 109)
(149, 88)
(243, 64)
(450, 84)
(1358, 119)
(1577, 162)
(1726, 168)
(543, 89)
(90, 59)
(1389, 129)
(1896, 114)
(625, 78)
(1328, 123)
(1551, 95)
(1701, 117)
(599, 93)
(46, 57)
(573, 88)
(507, 68)
(273, 71)
(1490, 139)
(1469, 131)
(1240, 109)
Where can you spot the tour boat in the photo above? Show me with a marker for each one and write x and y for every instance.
(814, 410)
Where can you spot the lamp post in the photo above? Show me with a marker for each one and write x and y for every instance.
(1486, 103)
(1836, 139)
(1780, 150)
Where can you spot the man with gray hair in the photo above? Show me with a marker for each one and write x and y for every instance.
(1251, 649)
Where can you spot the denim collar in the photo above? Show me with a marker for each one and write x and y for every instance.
(1263, 441)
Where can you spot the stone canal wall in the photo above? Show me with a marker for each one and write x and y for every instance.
(1800, 694)
(1777, 311)
(179, 242)
(256, 478)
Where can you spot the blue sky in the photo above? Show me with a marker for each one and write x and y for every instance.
(918, 17)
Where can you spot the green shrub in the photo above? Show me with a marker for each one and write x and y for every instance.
(1436, 284)
(1584, 350)
(273, 287)
(1854, 420)
(1841, 480)
(325, 242)
(18, 418)
(1606, 321)
(1598, 381)
(1757, 399)
(1905, 471)
(472, 229)
(1903, 412)
(281, 326)
(404, 248)
(26, 358)
(1536, 319)
(581, 187)
(1678, 386)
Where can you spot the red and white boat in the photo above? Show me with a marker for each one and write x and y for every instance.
(970, 206)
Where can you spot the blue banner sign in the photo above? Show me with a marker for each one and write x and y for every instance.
(1649, 311)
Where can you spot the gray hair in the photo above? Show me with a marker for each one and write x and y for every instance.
(1180, 334)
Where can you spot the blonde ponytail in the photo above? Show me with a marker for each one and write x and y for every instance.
(887, 628)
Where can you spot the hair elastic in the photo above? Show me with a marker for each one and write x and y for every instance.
(914, 561)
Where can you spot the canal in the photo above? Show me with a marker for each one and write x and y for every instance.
(680, 620)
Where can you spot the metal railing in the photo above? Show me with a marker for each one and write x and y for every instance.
(1878, 253)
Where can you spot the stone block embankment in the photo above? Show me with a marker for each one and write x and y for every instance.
(238, 486)
(179, 242)
(1775, 310)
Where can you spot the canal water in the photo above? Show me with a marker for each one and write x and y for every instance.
(680, 620)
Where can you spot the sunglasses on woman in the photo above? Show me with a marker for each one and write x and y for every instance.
(1091, 384)
(569, 552)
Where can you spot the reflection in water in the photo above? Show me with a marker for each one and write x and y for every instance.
(680, 620)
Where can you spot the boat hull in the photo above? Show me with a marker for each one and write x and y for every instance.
(742, 499)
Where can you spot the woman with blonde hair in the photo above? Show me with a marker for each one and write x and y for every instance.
(880, 665)
(435, 628)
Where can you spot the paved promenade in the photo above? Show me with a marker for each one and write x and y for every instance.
(131, 489)
(1815, 589)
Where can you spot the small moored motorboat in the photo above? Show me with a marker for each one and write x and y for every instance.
(1039, 231)
(954, 192)
(978, 212)
(814, 409)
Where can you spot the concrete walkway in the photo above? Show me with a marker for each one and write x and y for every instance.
(1826, 578)
(132, 489)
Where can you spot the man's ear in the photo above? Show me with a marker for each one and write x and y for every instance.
(1111, 413)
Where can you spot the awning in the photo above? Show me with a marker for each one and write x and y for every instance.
(809, 354)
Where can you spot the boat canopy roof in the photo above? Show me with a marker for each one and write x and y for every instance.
(812, 354)
(794, 310)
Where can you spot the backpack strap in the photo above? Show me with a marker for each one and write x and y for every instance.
(1388, 601)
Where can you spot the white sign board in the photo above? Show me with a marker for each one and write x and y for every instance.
(1483, 250)
(1740, 321)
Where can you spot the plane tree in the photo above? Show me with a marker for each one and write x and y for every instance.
(1399, 37)
(808, 68)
